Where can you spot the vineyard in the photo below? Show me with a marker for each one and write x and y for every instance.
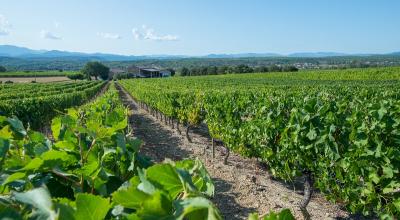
(38, 103)
(92, 170)
(337, 129)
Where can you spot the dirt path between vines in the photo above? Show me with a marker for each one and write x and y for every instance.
(240, 188)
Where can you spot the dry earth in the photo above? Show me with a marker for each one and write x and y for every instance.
(241, 186)
(38, 79)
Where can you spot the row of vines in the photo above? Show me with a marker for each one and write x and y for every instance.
(342, 136)
(34, 104)
(91, 169)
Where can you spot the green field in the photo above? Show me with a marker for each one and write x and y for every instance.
(340, 127)
(36, 73)
(38, 103)
(90, 167)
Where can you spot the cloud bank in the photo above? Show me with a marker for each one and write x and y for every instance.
(146, 33)
(109, 36)
(4, 26)
(49, 35)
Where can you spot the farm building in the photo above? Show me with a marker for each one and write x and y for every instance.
(145, 72)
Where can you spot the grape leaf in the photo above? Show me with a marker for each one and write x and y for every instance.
(41, 200)
(91, 207)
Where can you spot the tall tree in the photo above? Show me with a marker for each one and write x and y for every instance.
(222, 69)
(211, 70)
(96, 69)
(184, 71)
(261, 69)
(290, 68)
(172, 71)
(2, 69)
(275, 68)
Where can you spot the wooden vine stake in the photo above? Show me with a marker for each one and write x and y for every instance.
(213, 148)
(227, 155)
(177, 127)
(308, 190)
(187, 133)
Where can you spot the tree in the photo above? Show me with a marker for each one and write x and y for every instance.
(222, 69)
(275, 68)
(261, 69)
(195, 71)
(231, 69)
(184, 71)
(172, 71)
(243, 69)
(203, 70)
(212, 70)
(2, 69)
(290, 68)
(76, 76)
(96, 69)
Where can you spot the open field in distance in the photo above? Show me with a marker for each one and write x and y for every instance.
(38, 79)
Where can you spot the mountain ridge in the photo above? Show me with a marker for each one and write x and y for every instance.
(24, 52)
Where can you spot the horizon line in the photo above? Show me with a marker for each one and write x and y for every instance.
(270, 54)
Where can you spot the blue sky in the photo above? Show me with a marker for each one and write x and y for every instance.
(198, 27)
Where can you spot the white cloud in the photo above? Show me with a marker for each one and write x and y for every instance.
(146, 33)
(137, 34)
(4, 26)
(48, 35)
(109, 36)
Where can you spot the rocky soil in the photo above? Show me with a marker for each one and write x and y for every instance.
(242, 185)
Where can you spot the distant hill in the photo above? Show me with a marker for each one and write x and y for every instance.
(26, 53)
(14, 51)
(242, 55)
(22, 52)
(317, 54)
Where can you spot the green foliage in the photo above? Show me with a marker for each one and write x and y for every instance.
(184, 72)
(91, 207)
(40, 102)
(196, 208)
(285, 214)
(342, 128)
(166, 191)
(2, 69)
(96, 69)
(342, 62)
(173, 72)
(76, 76)
(120, 76)
(40, 199)
(92, 170)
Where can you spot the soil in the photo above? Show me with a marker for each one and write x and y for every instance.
(42, 79)
(241, 186)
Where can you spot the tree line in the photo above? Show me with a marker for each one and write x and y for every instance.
(77, 63)
(219, 70)
(92, 69)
